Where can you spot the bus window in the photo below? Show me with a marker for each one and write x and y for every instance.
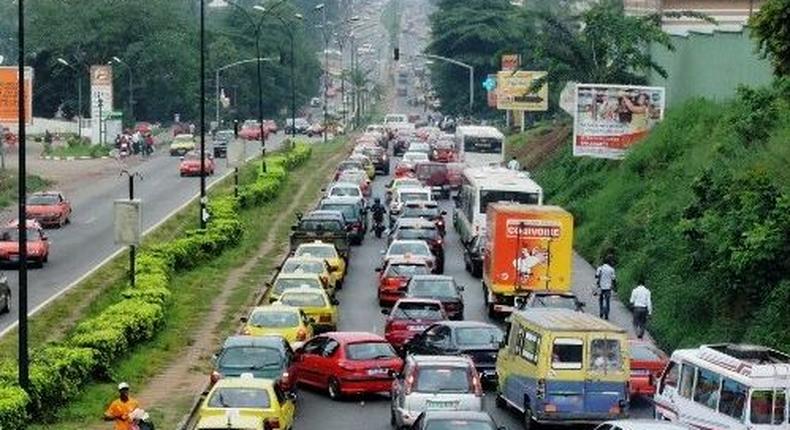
(733, 399)
(483, 145)
(605, 355)
(687, 380)
(768, 407)
(670, 377)
(706, 392)
(567, 354)
(530, 346)
(493, 196)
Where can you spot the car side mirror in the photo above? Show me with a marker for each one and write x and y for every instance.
(385, 311)
(243, 320)
(377, 269)
(461, 288)
(44, 237)
(294, 227)
(334, 301)
(444, 213)
(290, 395)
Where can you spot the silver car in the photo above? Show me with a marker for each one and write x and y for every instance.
(431, 382)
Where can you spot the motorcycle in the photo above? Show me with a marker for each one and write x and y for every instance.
(124, 152)
(378, 228)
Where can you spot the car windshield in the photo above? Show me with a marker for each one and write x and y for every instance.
(349, 210)
(554, 301)
(478, 336)
(354, 176)
(304, 299)
(348, 165)
(415, 156)
(321, 225)
(428, 170)
(369, 351)
(405, 270)
(316, 251)
(12, 234)
(419, 196)
(443, 379)
(224, 136)
(303, 266)
(417, 233)
(287, 284)
(275, 319)
(345, 191)
(183, 139)
(417, 310)
(250, 357)
(421, 212)
(413, 248)
(455, 424)
(433, 288)
(43, 200)
(227, 397)
(419, 147)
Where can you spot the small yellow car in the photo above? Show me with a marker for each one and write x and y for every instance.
(182, 144)
(287, 281)
(316, 304)
(370, 169)
(328, 252)
(315, 266)
(251, 397)
(279, 319)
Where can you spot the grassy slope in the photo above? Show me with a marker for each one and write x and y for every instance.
(8, 187)
(636, 206)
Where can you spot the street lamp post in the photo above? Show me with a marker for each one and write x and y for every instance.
(225, 67)
(290, 33)
(471, 70)
(24, 359)
(132, 248)
(131, 85)
(325, 32)
(79, 93)
(203, 198)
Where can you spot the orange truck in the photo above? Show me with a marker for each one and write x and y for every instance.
(528, 248)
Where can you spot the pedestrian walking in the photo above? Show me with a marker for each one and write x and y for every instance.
(513, 164)
(120, 410)
(642, 307)
(606, 281)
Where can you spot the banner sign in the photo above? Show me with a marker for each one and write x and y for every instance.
(514, 91)
(101, 101)
(511, 62)
(127, 221)
(9, 95)
(609, 119)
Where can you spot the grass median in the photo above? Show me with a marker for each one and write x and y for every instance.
(192, 298)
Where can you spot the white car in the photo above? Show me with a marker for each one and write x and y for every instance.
(410, 249)
(415, 157)
(344, 189)
(407, 194)
(638, 425)
(419, 147)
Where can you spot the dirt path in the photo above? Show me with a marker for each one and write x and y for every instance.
(181, 381)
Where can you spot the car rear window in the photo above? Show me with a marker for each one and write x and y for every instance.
(369, 351)
(227, 397)
(474, 336)
(321, 225)
(350, 211)
(409, 233)
(406, 270)
(302, 299)
(419, 212)
(303, 267)
(282, 285)
(316, 251)
(418, 196)
(453, 424)
(250, 358)
(416, 310)
(432, 288)
(274, 319)
(43, 199)
(414, 248)
(443, 379)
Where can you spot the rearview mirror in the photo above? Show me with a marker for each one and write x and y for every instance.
(243, 320)
(385, 311)
(377, 269)
(334, 301)
(444, 213)
(294, 227)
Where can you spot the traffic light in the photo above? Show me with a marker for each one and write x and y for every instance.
(396, 54)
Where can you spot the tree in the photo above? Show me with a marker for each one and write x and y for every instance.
(771, 29)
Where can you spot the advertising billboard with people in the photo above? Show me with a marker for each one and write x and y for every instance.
(609, 119)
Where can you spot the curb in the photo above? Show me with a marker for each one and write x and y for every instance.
(73, 158)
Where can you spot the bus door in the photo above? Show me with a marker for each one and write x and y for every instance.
(606, 380)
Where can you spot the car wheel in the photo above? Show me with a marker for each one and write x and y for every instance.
(500, 401)
(6, 305)
(333, 388)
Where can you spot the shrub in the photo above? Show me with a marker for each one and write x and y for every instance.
(13, 408)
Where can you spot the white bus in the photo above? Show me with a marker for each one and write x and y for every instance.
(726, 387)
(483, 185)
(480, 146)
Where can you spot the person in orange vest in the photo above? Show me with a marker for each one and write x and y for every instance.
(120, 409)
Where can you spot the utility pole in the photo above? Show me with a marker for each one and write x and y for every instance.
(203, 199)
(24, 359)
(132, 248)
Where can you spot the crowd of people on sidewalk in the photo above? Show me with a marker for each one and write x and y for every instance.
(134, 142)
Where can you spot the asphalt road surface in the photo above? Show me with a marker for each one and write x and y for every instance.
(85, 243)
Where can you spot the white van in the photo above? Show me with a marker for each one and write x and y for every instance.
(726, 387)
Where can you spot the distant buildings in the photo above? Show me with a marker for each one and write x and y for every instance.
(730, 15)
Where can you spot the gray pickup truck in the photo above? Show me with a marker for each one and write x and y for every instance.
(322, 225)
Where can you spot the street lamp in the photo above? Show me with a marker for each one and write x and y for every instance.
(289, 31)
(131, 86)
(325, 31)
(79, 93)
(257, 27)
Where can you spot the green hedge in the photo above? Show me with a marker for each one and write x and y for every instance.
(59, 371)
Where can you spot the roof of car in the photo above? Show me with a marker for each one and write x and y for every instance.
(46, 193)
(341, 199)
(409, 189)
(271, 341)
(343, 184)
(422, 203)
(433, 414)
(302, 290)
(415, 223)
(441, 359)
(417, 300)
(355, 336)
(433, 278)
(228, 422)
(467, 324)
(274, 307)
(409, 242)
(645, 424)
(324, 214)
(315, 243)
(244, 381)
(412, 260)
(294, 275)
(566, 320)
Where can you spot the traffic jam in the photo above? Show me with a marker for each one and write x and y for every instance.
(534, 348)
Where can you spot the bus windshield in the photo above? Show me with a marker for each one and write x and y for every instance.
(484, 145)
(493, 196)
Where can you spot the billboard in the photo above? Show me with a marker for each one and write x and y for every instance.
(101, 101)
(609, 119)
(513, 91)
(510, 62)
(9, 95)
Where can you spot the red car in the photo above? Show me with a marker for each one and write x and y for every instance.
(347, 363)
(190, 164)
(404, 169)
(143, 127)
(647, 363)
(395, 276)
(409, 317)
(454, 175)
(270, 126)
(252, 131)
(49, 208)
(37, 243)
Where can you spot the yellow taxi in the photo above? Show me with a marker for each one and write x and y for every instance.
(328, 252)
(316, 304)
(232, 420)
(287, 281)
(315, 266)
(279, 319)
(251, 397)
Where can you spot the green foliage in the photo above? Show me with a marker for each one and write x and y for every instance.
(9, 183)
(702, 209)
(771, 28)
(59, 372)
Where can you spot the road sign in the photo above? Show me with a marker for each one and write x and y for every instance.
(101, 99)
(511, 62)
(9, 95)
(514, 91)
(128, 221)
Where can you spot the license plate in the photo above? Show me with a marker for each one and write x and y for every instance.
(441, 405)
(377, 371)
(418, 327)
(14, 258)
(488, 373)
(640, 372)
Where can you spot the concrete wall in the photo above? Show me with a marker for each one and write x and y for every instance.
(40, 125)
(709, 65)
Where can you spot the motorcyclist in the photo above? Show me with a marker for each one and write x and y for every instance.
(378, 210)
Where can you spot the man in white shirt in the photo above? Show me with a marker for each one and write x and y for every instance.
(606, 281)
(643, 306)
(513, 164)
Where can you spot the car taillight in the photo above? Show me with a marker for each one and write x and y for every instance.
(540, 392)
(301, 334)
(271, 424)
(409, 383)
(215, 376)
(388, 326)
(285, 379)
(477, 386)
(325, 319)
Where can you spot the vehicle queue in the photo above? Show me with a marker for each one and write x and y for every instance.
(552, 363)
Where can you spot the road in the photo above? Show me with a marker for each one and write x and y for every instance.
(82, 246)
